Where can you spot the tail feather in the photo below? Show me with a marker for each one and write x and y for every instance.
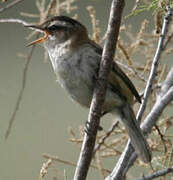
(137, 138)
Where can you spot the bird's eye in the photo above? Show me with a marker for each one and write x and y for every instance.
(57, 28)
(53, 28)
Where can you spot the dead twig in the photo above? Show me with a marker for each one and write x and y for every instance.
(44, 169)
(157, 174)
(162, 138)
(25, 71)
(20, 96)
(56, 158)
(10, 5)
(11, 20)
(108, 133)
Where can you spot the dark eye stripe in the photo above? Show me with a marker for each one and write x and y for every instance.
(56, 28)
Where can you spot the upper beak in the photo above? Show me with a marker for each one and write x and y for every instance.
(35, 27)
(40, 29)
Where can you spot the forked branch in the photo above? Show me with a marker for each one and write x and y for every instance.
(127, 159)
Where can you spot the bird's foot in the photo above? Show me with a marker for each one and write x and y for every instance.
(88, 130)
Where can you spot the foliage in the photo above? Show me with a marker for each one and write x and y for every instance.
(154, 6)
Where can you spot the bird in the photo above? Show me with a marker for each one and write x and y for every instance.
(75, 59)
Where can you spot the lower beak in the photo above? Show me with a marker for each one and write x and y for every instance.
(40, 29)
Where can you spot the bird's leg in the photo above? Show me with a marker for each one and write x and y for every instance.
(86, 128)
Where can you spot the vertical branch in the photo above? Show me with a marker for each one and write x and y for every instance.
(121, 167)
(154, 66)
(100, 90)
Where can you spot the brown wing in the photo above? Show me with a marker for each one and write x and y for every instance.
(119, 79)
(125, 83)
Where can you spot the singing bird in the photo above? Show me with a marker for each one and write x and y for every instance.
(75, 59)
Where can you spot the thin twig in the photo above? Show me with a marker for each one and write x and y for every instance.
(100, 90)
(157, 174)
(10, 5)
(139, 75)
(11, 20)
(20, 96)
(49, 8)
(24, 77)
(168, 39)
(44, 169)
(56, 158)
(120, 168)
(100, 165)
(102, 140)
(25, 71)
(28, 59)
(162, 138)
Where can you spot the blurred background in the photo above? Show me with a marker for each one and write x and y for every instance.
(46, 112)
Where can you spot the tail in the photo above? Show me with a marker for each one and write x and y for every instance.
(137, 138)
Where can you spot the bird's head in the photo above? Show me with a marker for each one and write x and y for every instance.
(60, 29)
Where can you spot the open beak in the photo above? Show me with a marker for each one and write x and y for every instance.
(40, 29)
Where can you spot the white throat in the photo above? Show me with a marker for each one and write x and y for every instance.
(58, 51)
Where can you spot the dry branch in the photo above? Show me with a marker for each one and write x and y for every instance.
(100, 90)
(10, 5)
(66, 162)
(11, 20)
(157, 174)
(20, 96)
(126, 160)
(28, 59)
(102, 140)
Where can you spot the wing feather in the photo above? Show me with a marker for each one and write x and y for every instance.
(119, 79)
